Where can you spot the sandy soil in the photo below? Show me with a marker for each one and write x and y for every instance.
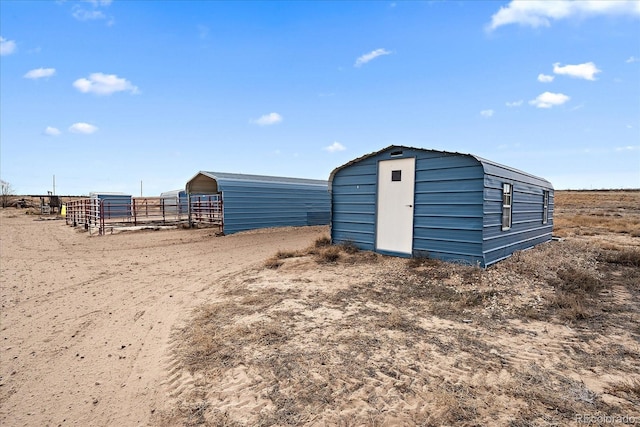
(86, 321)
(180, 327)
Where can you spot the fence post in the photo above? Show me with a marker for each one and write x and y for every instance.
(101, 218)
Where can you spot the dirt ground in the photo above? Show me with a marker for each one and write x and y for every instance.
(180, 327)
(86, 321)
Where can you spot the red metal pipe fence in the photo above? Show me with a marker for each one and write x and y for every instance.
(206, 209)
(99, 213)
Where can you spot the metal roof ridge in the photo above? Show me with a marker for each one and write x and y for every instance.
(264, 178)
(481, 160)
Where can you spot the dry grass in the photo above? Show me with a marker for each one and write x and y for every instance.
(276, 260)
(322, 251)
(593, 224)
(630, 257)
(591, 213)
(420, 341)
(322, 242)
(328, 255)
(626, 390)
(380, 341)
(349, 247)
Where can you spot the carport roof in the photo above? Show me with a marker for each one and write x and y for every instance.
(261, 178)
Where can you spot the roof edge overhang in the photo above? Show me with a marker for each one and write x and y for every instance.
(533, 179)
(483, 162)
(375, 153)
(221, 177)
(188, 185)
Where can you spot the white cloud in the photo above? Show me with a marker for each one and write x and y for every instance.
(487, 113)
(540, 13)
(39, 73)
(514, 103)
(104, 84)
(268, 119)
(549, 99)
(97, 3)
(7, 47)
(545, 78)
(629, 148)
(370, 56)
(51, 131)
(632, 59)
(84, 128)
(336, 146)
(87, 15)
(586, 71)
(82, 14)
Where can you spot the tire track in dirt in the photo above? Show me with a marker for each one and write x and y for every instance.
(91, 349)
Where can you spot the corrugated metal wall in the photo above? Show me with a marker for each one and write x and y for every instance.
(353, 204)
(113, 205)
(448, 204)
(254, 204)
(175, 202)
(457, 206)
(251, 201)
(527, 229)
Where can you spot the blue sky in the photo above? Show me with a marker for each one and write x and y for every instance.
(108, 94)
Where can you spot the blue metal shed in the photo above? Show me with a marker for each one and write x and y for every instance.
(113, 205)
(256, 201)
(457, 207)
(175, 202)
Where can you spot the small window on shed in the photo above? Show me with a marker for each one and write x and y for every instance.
(396, 153)
(507, 202)
(545, 206)
(396, 175)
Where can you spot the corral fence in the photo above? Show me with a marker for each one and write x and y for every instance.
(96, 214)
(206, 209)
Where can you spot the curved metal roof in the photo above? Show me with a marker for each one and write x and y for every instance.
(262, 178)
(488, 165)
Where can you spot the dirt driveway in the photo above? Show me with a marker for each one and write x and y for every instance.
(85, 321)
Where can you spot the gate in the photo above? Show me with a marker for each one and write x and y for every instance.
(92, 213)
(206, 209)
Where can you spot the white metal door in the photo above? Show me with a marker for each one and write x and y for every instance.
(394, 228)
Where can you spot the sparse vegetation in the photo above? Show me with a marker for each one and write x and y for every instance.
(626, 390)
(273, 263)
(329, 254)
(322, 251)
(424, 342)
(592, 213)
(349, 247)
(7, 193)
(630, 257)
(322, 242)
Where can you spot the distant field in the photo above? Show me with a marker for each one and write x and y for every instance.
(592, 213)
